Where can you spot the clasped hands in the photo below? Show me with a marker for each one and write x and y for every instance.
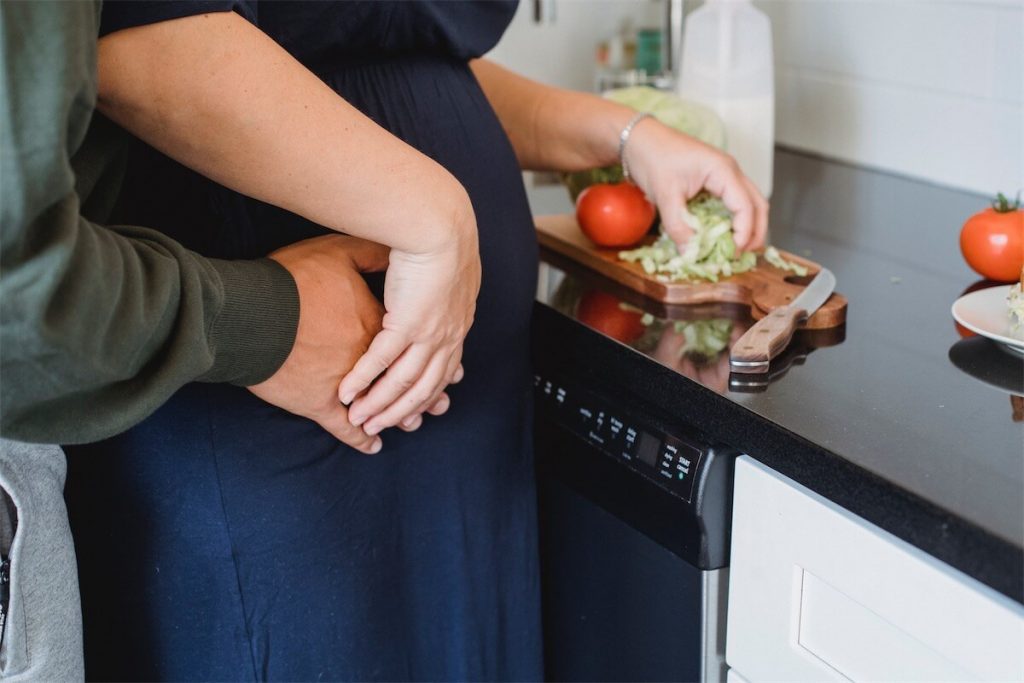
(357, 369)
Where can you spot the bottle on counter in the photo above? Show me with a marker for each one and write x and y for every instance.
(630, 57)
(648, 51)
(727, 65)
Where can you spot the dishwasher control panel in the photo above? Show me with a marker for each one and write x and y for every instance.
(670, 460)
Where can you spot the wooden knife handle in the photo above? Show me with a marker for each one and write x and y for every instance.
(765, 340)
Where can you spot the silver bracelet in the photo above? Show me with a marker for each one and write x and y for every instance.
(624, 138)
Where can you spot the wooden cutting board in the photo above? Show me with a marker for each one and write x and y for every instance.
(763, 288)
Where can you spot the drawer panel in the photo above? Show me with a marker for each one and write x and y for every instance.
(817, 593)
(861, 645)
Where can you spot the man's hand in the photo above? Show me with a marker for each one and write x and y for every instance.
(338, 317)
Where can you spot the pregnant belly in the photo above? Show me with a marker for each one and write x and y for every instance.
(437, 106)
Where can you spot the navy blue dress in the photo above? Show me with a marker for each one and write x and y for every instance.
(225, 539)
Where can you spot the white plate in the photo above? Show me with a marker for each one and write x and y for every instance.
(986, 312)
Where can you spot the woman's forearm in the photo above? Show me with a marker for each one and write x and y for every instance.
(221, 97)
(562, 130)
(553, 129)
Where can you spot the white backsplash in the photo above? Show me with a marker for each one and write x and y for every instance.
(928, 88)
(931, 89)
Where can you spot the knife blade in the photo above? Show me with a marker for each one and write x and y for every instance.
(753, 352)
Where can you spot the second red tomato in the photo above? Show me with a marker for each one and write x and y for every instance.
(616, 215)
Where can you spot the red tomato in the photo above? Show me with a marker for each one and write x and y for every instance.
(604, 313)
(992, 241)
(614, 215)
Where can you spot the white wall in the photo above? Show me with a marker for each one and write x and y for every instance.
(931, 89)
(927, 88)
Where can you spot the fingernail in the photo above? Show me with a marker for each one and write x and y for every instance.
(372, 429)
(407, 422)
(347, 398)
(357, 419)
(376, 446)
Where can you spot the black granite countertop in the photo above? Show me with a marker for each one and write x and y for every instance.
(893, 417)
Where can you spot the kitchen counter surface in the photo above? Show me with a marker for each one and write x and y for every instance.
(879, 417)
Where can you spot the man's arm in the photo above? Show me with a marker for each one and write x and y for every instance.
(99, 326)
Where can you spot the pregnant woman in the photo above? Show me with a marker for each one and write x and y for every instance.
(226, 539)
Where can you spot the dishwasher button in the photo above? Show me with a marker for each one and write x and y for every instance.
(615, 426)
(625, 438)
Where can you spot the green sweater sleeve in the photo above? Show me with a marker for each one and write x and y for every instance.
(100, 325)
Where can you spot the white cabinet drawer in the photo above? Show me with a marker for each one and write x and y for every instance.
(817, 593)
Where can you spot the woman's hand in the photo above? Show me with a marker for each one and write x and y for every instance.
(671, 167)
(430, 299)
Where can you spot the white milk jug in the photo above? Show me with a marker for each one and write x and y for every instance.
(727, 65)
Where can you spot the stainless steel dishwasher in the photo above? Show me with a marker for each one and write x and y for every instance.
(635, 508)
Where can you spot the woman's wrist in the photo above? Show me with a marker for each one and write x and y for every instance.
(446, 223)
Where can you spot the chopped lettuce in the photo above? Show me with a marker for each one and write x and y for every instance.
(709, 255)
(772, 256)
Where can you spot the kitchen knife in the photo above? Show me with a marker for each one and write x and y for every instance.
(753, 352)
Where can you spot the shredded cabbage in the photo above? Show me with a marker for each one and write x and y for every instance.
(709, 255)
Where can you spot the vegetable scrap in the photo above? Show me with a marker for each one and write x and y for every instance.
(772, 256)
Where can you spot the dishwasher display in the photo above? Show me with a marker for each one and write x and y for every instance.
(665, 459)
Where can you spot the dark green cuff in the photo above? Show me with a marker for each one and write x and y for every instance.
(255, 330)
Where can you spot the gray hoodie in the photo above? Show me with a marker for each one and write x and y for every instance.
(42, 631)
